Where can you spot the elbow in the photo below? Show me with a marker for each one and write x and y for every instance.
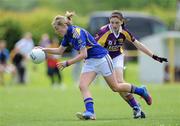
(84, 56)
(83, 53)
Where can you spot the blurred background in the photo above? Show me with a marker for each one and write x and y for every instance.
(36, 15)
(30, 21)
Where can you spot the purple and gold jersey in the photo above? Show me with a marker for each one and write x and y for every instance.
(112, 42)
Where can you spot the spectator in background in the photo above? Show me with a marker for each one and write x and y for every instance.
(25, 45)
(22, 49)
(18, 60)
(52, 70)
(4, 66)
(45, 41)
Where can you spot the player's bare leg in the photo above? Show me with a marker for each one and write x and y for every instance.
(85, 81)
(126, 87)
(128, 97)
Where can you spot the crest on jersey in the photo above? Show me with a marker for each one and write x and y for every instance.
(120, 40)
(76, 33)
(110, 42)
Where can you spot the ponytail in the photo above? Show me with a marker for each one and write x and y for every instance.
(69, 16)
(63, 20)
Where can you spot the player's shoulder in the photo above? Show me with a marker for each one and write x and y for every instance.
(128, 34)
(76, 31)
(105, 27)
(125, 30)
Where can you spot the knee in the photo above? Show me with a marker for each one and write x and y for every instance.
(114, 89)
(82, 87)
(123, 94)
(117, 88)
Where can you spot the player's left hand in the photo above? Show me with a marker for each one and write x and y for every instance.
(159, 59)
(62, 65)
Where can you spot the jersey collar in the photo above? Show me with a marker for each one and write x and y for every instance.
(112, 31)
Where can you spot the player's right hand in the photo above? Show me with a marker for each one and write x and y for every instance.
(62, 65)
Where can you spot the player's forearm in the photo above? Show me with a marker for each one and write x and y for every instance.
(143, 48)
(57, 51)
(82, 55)
(147, 51)
(77, 58)
(52, 50)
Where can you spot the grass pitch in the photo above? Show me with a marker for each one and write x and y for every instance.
(38, 104)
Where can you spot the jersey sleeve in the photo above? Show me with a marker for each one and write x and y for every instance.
(101, 35)
(98, 34)
(64, 41)
(128, 35)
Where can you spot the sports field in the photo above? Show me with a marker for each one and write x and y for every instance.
(38, 104)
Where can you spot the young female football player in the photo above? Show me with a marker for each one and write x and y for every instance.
(97, 61)
(112, 37)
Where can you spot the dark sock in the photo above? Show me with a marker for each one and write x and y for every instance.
(89, 104)
(131, 101)
(137, 90)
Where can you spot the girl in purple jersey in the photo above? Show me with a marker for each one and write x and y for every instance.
(97, 61)
(112, 37)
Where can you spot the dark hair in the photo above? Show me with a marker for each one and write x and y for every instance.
(117, 14)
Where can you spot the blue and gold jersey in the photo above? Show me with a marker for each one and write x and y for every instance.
(112, 42)
(79, 38)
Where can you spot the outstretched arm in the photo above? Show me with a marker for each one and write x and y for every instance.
(57, 51)
(147, 51)
(143, 48)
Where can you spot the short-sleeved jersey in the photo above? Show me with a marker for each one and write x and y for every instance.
(79, 38)
(112, 42)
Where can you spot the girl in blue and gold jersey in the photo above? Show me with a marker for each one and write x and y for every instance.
(96, 59)
(112, 37)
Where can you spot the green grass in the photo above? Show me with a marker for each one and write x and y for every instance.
(38, 104)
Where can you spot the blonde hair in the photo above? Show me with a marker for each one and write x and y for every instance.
(60, 20)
